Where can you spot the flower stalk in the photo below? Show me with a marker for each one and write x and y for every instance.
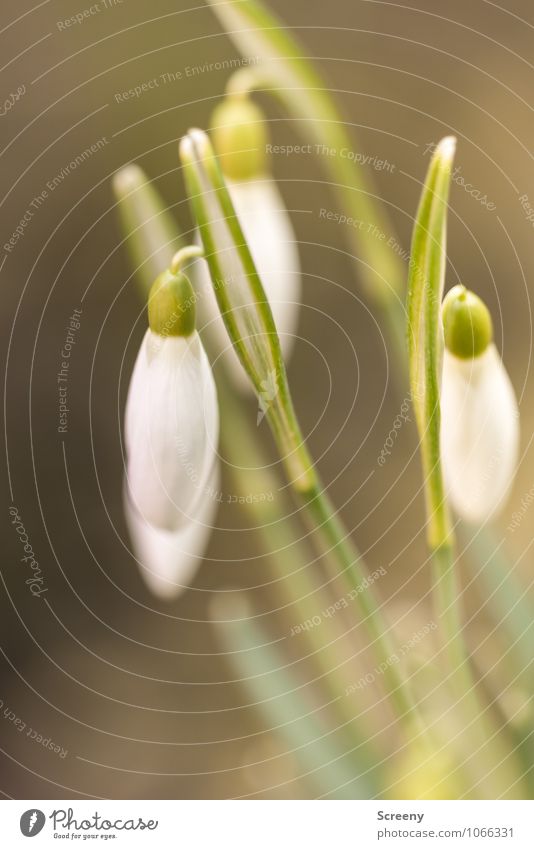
(282, 542)
(242, 301)
(425, 346)
(248, 319)
(426, 351)
(239, 132)
(286, 73)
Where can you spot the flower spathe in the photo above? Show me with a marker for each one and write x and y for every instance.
(268, 230)
(479, 433)
(171, 429)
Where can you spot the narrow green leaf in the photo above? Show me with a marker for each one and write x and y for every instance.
(150, 232)
(239, 291)
(146, 224)
(279, 696)
(242, 300)
(509, 602)
(425, 332)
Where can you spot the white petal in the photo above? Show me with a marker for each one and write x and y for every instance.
(171, 429)
(168, 560)
(479, 433)
(272, 241)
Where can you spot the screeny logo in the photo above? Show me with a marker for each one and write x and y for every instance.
(32, 822)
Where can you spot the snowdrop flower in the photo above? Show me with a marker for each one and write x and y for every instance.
(172, 419)
(240, 139)
(168, 560)
(479, 413)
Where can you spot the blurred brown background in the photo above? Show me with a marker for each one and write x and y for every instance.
(141, 688)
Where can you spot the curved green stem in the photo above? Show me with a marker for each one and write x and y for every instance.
(351, 571)
(425, 337)
(150, 233)
(248, 318)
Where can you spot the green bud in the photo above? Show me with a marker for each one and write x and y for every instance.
(240, 136)
(467, 323)
(172, 305)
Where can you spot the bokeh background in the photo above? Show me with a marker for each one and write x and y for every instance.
(140, 693)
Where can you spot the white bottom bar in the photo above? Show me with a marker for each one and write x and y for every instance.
(268, 824)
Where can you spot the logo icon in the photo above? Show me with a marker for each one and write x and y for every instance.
(32, 822)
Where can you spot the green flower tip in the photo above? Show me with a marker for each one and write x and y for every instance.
(467, 323)
(128, 179)
(239, 133)
(193, 146)
(172, 305)
(447, 148)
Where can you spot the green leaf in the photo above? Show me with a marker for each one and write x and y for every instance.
(242, 300)
(425, 333)
(508, 600)
(150, 232)
(286, 706)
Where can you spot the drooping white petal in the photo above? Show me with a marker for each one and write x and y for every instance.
(268, 230)
(168, 560)
(171, 429)
(479, 433)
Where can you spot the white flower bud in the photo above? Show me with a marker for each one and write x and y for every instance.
(168, 560)
(268, 230)
(171, 429)
(479, 433)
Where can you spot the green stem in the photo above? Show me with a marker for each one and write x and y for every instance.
(351, 572)
(282, 545)
(504, 595)
(184, 255)
(446, 595)
(335, 771)
(490, 762)
(381, 271)
(152, 237)
(248, 318)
